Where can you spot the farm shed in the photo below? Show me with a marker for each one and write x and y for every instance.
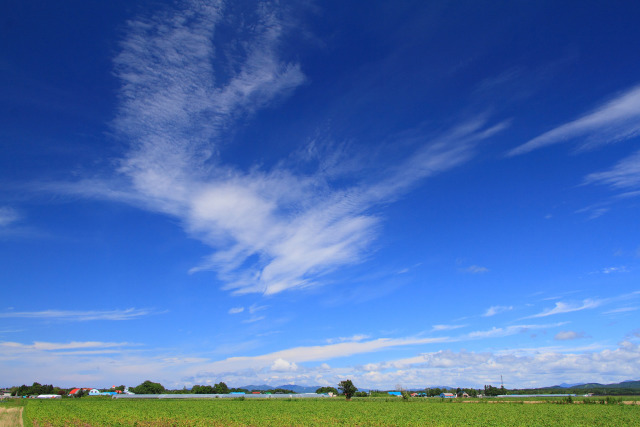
(448, 395)
(395, 393)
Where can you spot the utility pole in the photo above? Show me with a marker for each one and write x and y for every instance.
(501, 382)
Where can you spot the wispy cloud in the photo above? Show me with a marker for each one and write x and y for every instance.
(271, 230)
(436, 328)
(568, 335)
(50, 346)
(236, 310)
(624, 175)
(476, 269)
(620, 310)
(495, 309)
(354, 338)
(8, 216)
(615, 120)
(80, 316)
(562, 308)
(620, 269)
(496, 332)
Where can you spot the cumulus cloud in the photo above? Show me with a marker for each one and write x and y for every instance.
(616, 120)
(495, 309)
(568, 335)
(58, 363)
(281, 365)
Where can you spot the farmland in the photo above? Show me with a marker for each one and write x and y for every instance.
(359, 411)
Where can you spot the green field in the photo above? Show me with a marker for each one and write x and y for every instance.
(362, 412)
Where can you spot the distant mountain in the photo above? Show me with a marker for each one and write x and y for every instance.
(628, 384)
(257, 387)
(565, 385)
(299, 388)
(292, 387)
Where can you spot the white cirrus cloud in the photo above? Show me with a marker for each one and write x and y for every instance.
(236, 310)
(446, 327)
(476, 269)
(621, 310)
(270, 230)
(495, 309)
(51, 346)
(562, 308)
(80, 315)
(615, 120)
(496, 332)
(624, 175)
(8, 216)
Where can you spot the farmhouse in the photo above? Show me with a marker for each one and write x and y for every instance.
(448, 395)
(90, 391)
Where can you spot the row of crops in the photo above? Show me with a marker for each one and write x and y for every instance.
(364, 412)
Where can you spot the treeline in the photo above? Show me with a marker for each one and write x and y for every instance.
(37, 389)
(596, 391)
(488, 390)
(149, 387)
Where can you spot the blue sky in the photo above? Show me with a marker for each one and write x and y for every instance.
(414, 194)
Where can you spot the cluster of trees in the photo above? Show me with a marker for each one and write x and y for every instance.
(490, 390)
(149, 387)
(36, 389)
(220, 388)
(323, 390)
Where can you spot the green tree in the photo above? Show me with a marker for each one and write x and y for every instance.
(149, 387)
(221, 388)
(202, 389)
(490, 390)
(348, 389)
(327, 390)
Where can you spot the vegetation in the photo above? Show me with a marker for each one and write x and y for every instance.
(327, 390)
(149, 387)
(627, 388)
(220, 388)
(276, 412)
(348, 389)
(36, 389)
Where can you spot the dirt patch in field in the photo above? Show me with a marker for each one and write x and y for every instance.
(11, 417)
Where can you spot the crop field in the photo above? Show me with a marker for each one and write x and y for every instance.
(361, 412)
